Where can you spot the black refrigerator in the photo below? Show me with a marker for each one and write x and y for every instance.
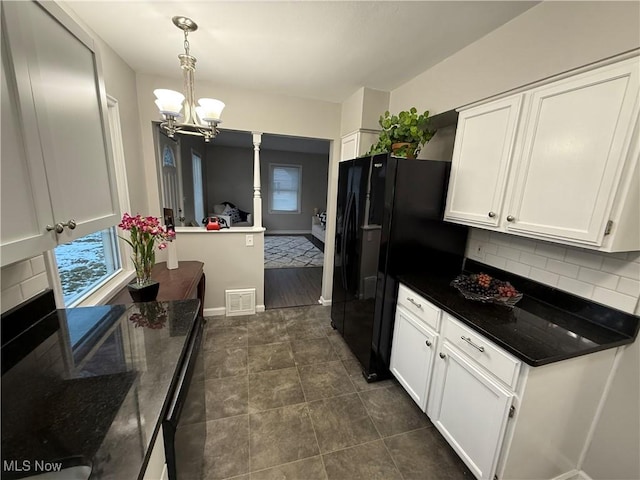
(389, 222)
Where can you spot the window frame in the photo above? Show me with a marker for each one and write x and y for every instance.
(272, 168)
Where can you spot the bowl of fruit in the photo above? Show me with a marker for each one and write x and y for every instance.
(484, 288)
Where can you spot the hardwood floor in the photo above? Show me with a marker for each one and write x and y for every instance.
(292, 287)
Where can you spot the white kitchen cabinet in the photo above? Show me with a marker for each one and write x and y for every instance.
(60, 105)
(356, 144)
(412, 354)
(570, 164)
(482, 154)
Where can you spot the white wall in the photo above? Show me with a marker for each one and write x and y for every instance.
(550, 38)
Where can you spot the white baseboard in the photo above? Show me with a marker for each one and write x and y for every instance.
(324, 301)
(221, 311)
(287, 232)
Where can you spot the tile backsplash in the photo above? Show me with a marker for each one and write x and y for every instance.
(22, 280)
(612, 279)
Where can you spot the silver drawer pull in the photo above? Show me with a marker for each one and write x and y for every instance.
(468, 340)
(419, 305)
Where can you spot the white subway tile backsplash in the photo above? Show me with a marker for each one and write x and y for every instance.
(576, 287)
(629, 287)
(518, 268)
(510, 253)
(622, 268)
(490, 248)
(584, 259)
(15, 273)
(534, 260)
(37, 264)
(524, 244)
(34, 285)
(550, 251)
(495, 261)
(11, 297)
(617, 300)
(562, 268)
(597, 277)
(633, 257)
(500, 238)
(475, 250)
(480, 235)
(544, 276)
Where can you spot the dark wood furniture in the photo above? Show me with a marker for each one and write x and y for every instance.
(186, 281)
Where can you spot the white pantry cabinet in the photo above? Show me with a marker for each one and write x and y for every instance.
(569, 157)
(356, 144)
(59, 147)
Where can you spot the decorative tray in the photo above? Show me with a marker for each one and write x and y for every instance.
(484, 288)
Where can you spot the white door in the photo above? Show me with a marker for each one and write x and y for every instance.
(169, 167)
(481, 159)
(574, 146)
(71, 110)
(470, 410)
(26, 209)
(414, 347)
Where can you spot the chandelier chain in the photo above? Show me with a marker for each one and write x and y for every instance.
(186, 42)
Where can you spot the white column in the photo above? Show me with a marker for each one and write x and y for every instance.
(257, 198)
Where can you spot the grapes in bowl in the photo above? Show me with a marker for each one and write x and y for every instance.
(484, 288)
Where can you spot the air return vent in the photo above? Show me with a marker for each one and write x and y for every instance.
(241, 302)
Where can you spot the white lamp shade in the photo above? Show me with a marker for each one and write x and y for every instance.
(210, 109)
(169, 101)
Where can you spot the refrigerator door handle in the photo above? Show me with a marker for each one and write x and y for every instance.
(345, 226)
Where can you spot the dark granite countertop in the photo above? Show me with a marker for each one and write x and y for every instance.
(94, 384)
(546, 326)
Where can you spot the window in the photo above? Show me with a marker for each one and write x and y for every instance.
(86, 263)
(285, 184)
(198, 192)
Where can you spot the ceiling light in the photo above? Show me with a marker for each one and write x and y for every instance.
(202, 119)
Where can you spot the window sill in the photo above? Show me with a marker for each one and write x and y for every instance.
(108, 289)
(181, 230)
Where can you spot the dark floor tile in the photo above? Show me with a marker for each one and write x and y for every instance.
(306, 329)
(225, 362)
(263, 332)
(270, 357)
(425, 455)
(307, 469)
(224, 321)
(227, 397)
(339, 345)
(393, 411)
(271, 316)
(273, 389)
(226, 452)
(306, 313)
(354, 369)
(370, 461)
(341, 422)
(324, 380)
(316, 350)
(281, 436)
(218, 337)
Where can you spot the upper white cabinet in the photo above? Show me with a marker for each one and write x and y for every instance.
(356, 144)
(561, 168)
(58, 129)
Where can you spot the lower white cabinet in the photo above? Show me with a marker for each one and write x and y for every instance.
(414, 347)
(470, 410)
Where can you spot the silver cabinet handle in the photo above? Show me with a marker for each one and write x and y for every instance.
(428, 343)
(58, 227)
(468, 340)
(510, 218)
(442, 355)
(492, 214)
(71, 224)
(414, 302)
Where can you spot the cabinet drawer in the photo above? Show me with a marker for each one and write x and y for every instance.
(418, 306)
(493, 358)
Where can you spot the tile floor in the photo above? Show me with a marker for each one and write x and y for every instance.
(286, 400)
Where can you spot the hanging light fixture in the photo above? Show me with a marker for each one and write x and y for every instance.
(198, 120)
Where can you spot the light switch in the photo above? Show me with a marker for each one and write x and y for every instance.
(249, 241)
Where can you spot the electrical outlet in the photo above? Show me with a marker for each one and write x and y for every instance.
(249, 241)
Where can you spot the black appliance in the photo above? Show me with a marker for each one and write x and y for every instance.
(389, 222)
(184, 426)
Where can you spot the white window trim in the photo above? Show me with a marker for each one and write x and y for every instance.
(299, 205)
(102, 293)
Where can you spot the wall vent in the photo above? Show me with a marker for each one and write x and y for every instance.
(240, 302)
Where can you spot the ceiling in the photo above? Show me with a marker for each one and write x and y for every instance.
(323, 50)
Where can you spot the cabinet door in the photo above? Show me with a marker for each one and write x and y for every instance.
(70, 105)
(349, 147)
(574, 145)
(412, 354)
(470, 410)
(481, 158)
(26, 209)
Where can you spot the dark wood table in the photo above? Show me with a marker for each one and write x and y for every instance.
(185, 282)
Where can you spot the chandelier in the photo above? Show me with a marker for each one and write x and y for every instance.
(202, 119)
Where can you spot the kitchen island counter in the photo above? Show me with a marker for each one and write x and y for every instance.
(92, 382)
